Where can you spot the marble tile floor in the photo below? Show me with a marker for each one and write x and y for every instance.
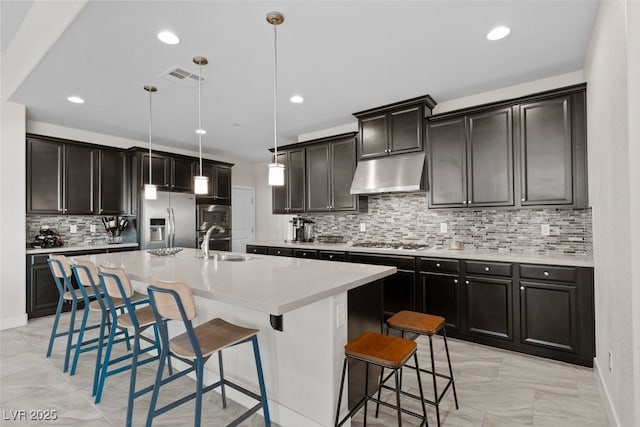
(495, 388)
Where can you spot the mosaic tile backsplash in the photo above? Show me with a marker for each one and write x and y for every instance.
(62, 224)
(405, 218)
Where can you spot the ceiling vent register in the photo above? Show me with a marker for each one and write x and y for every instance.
(181, 76)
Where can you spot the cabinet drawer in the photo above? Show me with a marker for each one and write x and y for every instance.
(262, 250)
(332, 256)
(439, 265)
(280, 251)
(400, 262)
(305, 253)
(488, 268)
(548, 272)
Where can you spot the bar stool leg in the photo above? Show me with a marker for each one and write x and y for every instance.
(366, 392)
(164, 355)
(222, 389)
(344, 371)
(453, 384)
(397, 398)
(435, 385)
(263, 388)
(132, 382)
(54, 328)
(199, 374)
(424, 407)
(380, 389)
(76, 354)
(105, 362)
(96, 373)
(72, 325)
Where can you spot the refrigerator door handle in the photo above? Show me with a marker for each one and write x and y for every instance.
(169, 229)
(173, 227)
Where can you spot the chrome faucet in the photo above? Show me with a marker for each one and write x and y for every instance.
(205, 242)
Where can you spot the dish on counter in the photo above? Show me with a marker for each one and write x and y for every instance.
(164, 251)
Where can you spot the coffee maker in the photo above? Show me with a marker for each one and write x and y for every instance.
(301, 229)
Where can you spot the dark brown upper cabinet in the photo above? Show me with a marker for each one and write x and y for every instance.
(528, 152)
(552, 151)
(112, 194)
(393, 129)
(290, 198)
(330, 168)
(219, 189)
(182, 171)
(168, 172)
(60, 177)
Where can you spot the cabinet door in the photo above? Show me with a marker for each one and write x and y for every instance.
(490, 158)
(548, 315)
(318, 175)
(440, 297)
(399, 292)
(405, 130)
(546, 158)
(44, 176)
(160, 170)
(489, 308)
(373, 136)
(182, 174)
(42, 293)
(112, 191)
(79, 174)
(343, 167)
(447, 163)
(279, 202)
(222, 184)
(295, 183)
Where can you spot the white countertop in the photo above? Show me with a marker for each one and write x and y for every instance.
(270, 284)
(471, 254)
(70, 248)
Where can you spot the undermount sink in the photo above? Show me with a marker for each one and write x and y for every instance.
(230, 257)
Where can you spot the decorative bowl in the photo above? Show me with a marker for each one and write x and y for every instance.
(164, 251)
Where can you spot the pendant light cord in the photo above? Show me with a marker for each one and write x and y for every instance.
(150, 182)
(200, 114)
(275, 94)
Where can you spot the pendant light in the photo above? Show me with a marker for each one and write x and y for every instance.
(150, 190)
(200, 182)
(276, 170)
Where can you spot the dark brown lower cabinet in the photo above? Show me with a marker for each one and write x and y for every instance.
(489, 307)
(548, 315)
(543, 310)
(441, 297)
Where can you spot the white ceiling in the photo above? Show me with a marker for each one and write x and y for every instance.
(342, 56)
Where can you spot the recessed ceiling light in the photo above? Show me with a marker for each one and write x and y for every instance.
(201, 131)
(168, 37)
(296, 99)
(498, 33)
(75, 100)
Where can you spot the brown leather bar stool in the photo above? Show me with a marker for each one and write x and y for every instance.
(385, 351)
(429, 325)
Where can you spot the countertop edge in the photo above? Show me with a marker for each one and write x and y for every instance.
(467, 254)
(79, 248)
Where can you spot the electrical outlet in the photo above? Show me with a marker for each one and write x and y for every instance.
(545, 230)
(443, 227)
(92, 228)
(610, 361)
(73, 229)
(340, 315)
(363, 226)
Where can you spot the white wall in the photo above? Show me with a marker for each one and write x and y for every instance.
(12, 218)
(613, 187)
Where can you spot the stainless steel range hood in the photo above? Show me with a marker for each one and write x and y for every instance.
(391, 174)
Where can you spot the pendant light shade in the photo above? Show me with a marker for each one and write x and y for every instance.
(150, 190)
(276, 170)
(200, 182)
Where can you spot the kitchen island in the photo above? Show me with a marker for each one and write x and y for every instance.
(320, 306)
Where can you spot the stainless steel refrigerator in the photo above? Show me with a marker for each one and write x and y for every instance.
(169, 221)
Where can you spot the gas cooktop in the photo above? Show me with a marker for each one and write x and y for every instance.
(383, 245)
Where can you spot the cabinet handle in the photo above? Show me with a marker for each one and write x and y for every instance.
(455, 280)
(468, 201)
(546, 273)
(278, 252)
(330, 256)
(437, 264)
(522, 288)
(466, 282)
(304, 254)
(486, 269)
(523, 200)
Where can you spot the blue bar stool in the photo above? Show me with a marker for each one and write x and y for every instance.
(61, 270)
(86, 274)
(119, 293)
(174, 301)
